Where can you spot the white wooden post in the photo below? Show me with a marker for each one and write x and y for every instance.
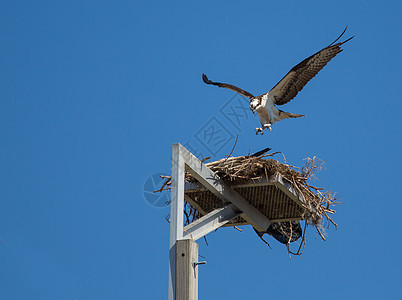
(187, 270)
(176, 214)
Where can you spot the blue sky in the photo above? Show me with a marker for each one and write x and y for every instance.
(94, 93)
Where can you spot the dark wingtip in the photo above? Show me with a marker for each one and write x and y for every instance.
(348, 40)
(343, 32)
(262, 152)
(205, 79)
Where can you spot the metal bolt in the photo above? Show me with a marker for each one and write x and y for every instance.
(195, 263)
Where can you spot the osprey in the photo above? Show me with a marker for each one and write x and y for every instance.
(287, 88)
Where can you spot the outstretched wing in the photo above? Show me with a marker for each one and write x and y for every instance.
(227, 86)
(294, 81)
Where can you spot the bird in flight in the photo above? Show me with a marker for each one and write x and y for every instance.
(287, 88)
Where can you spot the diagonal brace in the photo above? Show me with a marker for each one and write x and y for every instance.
(210, 222)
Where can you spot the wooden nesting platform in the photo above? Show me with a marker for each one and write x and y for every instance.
(275, 198)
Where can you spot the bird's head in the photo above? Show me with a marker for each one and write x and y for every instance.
(254, 103)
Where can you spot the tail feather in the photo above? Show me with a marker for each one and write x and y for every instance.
(287, 115)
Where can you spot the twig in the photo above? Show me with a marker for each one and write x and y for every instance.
(319, 232)
(227, 156)
(164, 184)
(205, 158)
(237, 228)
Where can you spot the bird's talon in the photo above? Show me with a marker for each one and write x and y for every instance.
(259, 130)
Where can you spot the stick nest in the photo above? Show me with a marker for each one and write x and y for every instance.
(246, 169)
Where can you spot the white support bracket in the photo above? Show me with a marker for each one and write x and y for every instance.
(210, 222)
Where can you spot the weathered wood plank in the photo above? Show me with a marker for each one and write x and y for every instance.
(187, 272)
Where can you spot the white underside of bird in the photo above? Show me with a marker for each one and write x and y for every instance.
(268, 113)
